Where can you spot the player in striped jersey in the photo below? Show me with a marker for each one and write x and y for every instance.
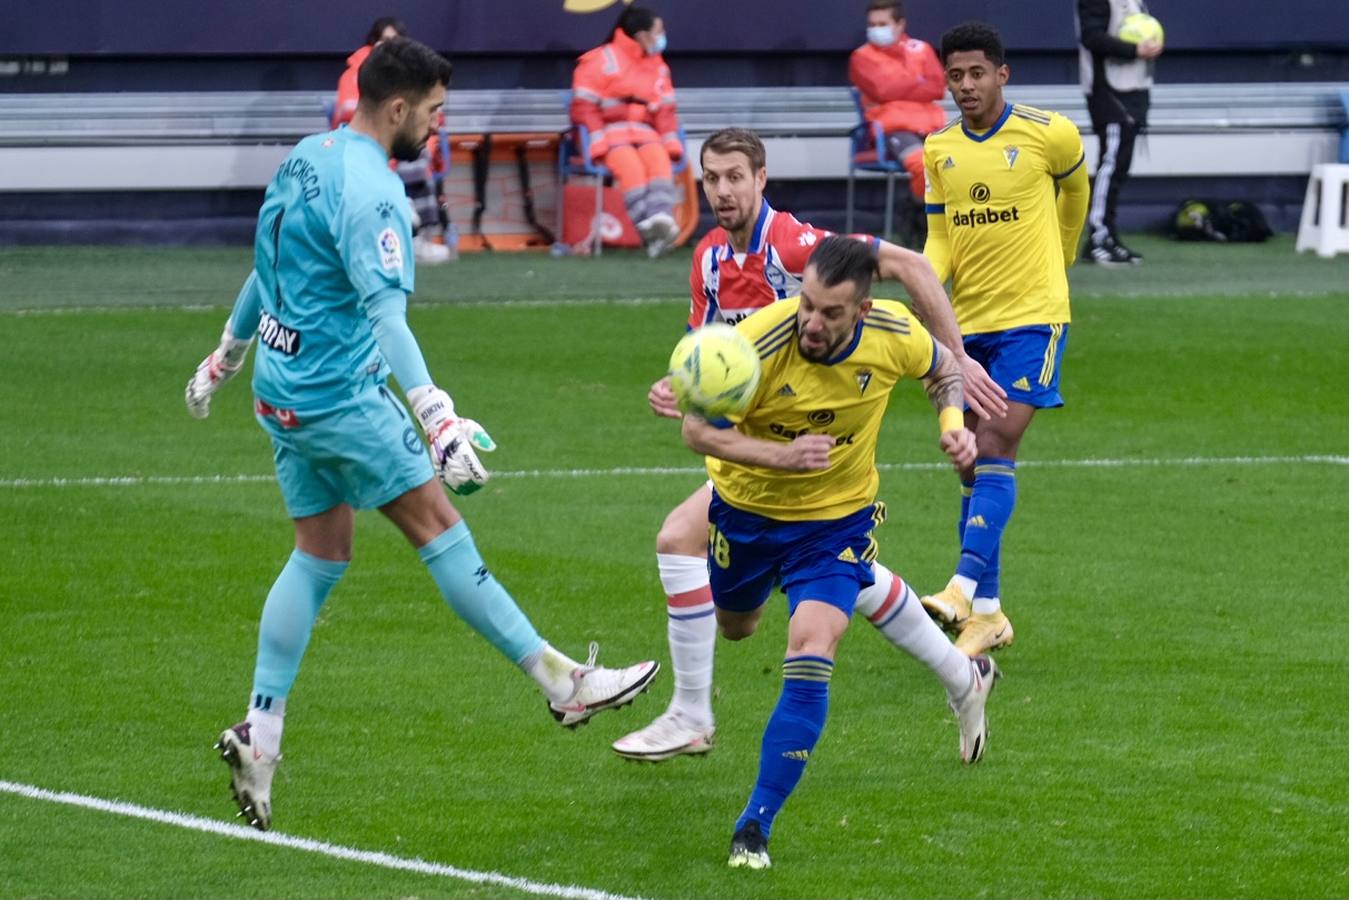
(755, 257)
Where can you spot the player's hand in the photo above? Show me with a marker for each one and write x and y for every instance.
(661, 399)
(807, 453)
(455, 442)
(455, 449)
(1149, 50)
(984, 395)
(223, 364)
(959, 446)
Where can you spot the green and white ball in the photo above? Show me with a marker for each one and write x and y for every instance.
(1141, 28)
(714, 371)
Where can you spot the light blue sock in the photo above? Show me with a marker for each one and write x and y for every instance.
(288, 617)
(789, 738)
(476, 596)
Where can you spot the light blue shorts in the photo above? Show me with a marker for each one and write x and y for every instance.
(366, 452)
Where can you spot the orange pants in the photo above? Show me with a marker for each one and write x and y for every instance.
(636, 167)
(644, 175)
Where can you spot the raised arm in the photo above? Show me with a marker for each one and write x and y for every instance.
(915, 272)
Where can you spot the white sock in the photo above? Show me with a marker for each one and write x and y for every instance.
(967, 585)
(265, 728)
(901, 618)
(552, 670)
(692, 632)
(985, 605)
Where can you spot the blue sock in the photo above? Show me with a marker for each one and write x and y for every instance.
(966, 491)
(476, 596)
(288, 617)
(989, 582)
(790, 737)
(991, 506)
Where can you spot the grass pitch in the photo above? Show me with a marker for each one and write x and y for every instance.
(1172, 724)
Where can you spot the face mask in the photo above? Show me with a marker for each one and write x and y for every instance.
(658, 46)
(881, 35)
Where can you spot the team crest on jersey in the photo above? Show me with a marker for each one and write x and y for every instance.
(390, 250)
(949, 164)
(1010, 153)
(863, 379)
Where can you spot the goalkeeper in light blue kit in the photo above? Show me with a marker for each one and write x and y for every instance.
(327, 302)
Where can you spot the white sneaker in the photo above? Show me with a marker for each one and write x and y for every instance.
(598, 689)
(251, 773)
(969, 709)
(428, 252)
(658, 233)
(671, 735)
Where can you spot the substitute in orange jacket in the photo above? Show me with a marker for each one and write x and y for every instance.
(622, 93)
(901, 81)
(347, 92)
(419, 176)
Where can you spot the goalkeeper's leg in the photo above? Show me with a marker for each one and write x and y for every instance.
(252, 748)
(575, 691)
(686, 727)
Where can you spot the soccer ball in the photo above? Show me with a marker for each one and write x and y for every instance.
(1141, 28)
(714, 371)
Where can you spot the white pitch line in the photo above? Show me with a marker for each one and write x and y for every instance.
(322, 848)
(621, 471)
(534, 303)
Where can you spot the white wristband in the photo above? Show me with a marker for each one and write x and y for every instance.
(431, 406)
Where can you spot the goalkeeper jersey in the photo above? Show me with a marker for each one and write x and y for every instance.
(333, 232)
(996, 192)
(845, 397)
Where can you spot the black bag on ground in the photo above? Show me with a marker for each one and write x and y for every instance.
(1211, 220)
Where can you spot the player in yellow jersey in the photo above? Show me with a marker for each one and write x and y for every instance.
(794, 491)
(1006, 198)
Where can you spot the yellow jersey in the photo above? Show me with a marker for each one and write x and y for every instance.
(845, 397)
(993, 196)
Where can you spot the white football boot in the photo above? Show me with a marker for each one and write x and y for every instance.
(251, 773)
(597, 689)
(969, 709)
(671, 735)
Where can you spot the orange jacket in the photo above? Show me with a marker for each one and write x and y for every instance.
(347, 92)
(900, 85)
(625, 97)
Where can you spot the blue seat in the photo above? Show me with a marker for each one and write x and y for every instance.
(867, 153)
(573, 160)
(1344, 128)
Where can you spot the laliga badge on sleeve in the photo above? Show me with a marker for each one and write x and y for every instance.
(390, 250)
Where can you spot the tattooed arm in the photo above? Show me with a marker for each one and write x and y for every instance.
(945, 386)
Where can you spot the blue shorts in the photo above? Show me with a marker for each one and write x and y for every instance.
(830, 560)
(1025, 361)
(366, 452)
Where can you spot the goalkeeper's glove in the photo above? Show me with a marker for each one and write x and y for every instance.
(455, 442)
(223, 364)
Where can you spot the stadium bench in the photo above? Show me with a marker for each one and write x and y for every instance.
(234, 140)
